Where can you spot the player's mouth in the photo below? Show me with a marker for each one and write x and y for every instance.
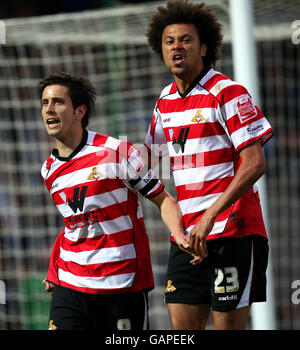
(177, 59)
(52, 122)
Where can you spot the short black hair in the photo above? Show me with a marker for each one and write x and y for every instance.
(80, 90)
(182, 11)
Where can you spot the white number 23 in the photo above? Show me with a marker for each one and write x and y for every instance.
(228, 275)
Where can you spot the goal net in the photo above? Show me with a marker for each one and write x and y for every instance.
(109, 47)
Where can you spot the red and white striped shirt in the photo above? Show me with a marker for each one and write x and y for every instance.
(203, 132)
(104, 247)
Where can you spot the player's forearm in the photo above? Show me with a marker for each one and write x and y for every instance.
(251, 169)
(170, 213)
(172, 217)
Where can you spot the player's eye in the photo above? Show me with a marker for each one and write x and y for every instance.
(59, 101)
(186, 39)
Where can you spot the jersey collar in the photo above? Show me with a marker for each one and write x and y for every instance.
(77, 149)
(194, 82)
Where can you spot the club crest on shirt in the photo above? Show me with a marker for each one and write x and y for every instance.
(198, 117)
(95, 174)
(246, 109)
(169, 287)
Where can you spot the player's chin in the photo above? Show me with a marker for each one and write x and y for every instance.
(53, 133)
(53, 130)
(178, 72)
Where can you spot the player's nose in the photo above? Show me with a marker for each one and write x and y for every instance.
(50, 108)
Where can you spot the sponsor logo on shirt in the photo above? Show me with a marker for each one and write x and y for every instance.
(246, 109)
(77, 202)
(187, 161)
(83, 219)
(255, 129)
(179, 143)
(54, 186)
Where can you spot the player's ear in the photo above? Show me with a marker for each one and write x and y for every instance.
(203, 49)
(80, 111)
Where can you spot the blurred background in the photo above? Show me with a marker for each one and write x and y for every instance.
(105, 40)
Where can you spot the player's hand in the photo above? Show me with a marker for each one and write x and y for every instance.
(183, 243)
(196, 260)
(49, 287)
(199, 233)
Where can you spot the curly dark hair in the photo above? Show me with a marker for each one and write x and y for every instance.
(182, 11)
(80, 90)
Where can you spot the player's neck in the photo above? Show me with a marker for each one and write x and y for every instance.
(182, 85)
(68, 145)
(184, 82)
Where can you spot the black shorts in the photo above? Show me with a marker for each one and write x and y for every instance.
(72, 310)
(231, 277)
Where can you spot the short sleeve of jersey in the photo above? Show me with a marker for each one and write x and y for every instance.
(155, 141)
(138, 177)
(243, 120)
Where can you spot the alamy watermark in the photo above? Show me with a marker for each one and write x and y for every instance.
(2, 33)
(296, 32)
(2, 292)
(139, 156)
